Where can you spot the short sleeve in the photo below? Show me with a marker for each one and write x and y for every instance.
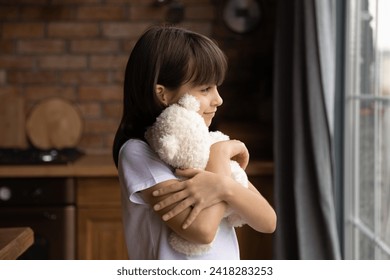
(140, 168)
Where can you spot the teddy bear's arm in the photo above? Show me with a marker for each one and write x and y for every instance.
(202, 230)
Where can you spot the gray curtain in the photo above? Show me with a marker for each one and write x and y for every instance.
(304, 79)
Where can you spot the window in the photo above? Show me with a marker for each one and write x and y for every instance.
(367, 131)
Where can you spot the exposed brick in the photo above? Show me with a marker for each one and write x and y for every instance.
(9, 13)
(197, 2)
(85, 77)
(128, 45)
(54, 12)
(78, 2)
(118, 77)
(107, 13)
(90, 109)
(113, 110)
(78, 50)
(102, 93)
(199, 13)
(40, 46)
(126, 2)
(41, 92)
(18, 2)
(3, 76)
(16, 62)
(73, 30)
(94, 46)
(7, 47)
(100, 126)
(124, 30)
(108, 140)
(202, 27)
(10, 90)
(91, 142)
(23, 30)
(62, 62)
(28, 77)
(149, 12)
(109, 61)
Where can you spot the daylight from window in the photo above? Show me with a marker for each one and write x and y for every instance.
(367, 157)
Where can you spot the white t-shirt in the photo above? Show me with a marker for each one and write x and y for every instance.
(146, 233)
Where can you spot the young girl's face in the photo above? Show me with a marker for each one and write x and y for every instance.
(208, 97)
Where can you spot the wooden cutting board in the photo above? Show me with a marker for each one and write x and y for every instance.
(12, 122)
(54, 123)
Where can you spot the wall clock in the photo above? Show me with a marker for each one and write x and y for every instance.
(241, 16)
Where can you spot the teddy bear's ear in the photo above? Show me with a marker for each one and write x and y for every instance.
(189, 102)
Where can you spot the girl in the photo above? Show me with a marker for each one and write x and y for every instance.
(166, 63)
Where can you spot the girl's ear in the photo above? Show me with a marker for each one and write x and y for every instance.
(161, 94)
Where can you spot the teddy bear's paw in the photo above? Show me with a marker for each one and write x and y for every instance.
(217, 136)
(235, 220)
(238, 174)
(189, 102)
(229, 211)
(186, 247)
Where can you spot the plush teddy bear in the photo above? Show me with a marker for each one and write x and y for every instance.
(181, 138)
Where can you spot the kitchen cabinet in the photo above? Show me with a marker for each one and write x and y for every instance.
(99, 222)
(99, 231)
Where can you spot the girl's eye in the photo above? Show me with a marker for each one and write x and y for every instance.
(205, 89)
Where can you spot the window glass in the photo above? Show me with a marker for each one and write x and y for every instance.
(367, 146)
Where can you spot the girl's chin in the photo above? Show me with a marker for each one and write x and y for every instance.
(207, 122)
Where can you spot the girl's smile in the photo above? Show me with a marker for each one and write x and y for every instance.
(209, 99)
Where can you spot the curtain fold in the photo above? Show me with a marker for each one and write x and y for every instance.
(303, 123)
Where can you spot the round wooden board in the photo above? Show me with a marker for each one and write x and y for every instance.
(54, 124)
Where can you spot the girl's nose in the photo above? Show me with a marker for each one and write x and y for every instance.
(217, 100)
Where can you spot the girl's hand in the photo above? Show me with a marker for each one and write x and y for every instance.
(233, 150)
(201, 190)
(240, 153)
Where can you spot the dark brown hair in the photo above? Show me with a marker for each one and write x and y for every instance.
(169, 56)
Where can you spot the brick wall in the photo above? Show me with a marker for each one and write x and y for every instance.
(78, 49)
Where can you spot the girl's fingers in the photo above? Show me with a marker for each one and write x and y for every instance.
(172, 199)
(177, 194)
(179, 185)
(180, 207)
(191, 217)
(190, 172)
(168, 189)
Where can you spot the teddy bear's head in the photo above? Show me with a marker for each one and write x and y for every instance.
(180, 136)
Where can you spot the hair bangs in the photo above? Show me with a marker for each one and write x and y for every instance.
(208, 64)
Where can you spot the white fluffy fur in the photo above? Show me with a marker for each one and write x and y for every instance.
(181, 138)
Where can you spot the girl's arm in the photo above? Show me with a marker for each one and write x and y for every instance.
(247, 202)
(204, 226)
